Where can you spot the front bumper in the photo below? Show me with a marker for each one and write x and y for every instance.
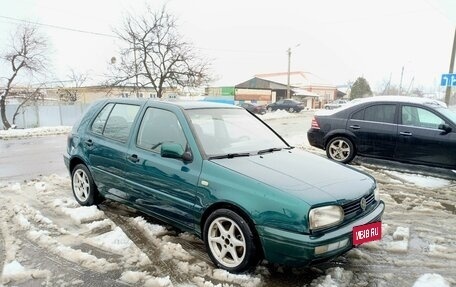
(294, 249)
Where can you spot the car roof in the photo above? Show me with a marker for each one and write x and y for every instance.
(186, 105)
(402, 99)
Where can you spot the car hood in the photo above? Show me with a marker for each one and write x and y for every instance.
(308, 177)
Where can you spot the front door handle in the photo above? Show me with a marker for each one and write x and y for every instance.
(133, 158)
(355, 127)
(405, 134)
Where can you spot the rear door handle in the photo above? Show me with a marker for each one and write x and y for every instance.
(355, 127)
(405, 134)
(133, 158)
(89, 142)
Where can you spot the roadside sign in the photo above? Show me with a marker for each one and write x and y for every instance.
(448, 80)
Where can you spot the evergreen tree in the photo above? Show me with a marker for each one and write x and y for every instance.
(360, 89)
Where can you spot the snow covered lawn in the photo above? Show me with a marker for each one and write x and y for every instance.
(33, 132)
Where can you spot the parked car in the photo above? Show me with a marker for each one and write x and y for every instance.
(254, 108)
(217, 171)
(289, 105)
(335, 104)
(406, 129)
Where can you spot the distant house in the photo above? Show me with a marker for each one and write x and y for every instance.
(304, 86)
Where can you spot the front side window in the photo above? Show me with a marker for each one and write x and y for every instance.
(380, 113)
(157, 127)
(419, 117)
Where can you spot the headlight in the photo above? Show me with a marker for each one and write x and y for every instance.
(377, 193)
(325, 216)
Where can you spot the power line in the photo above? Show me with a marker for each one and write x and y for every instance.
(60, 27)
(117, 37)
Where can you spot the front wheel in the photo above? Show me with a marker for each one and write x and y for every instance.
(230, 242)
(340, 149)
(291, 110)
(84, 188)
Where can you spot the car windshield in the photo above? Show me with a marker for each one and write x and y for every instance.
(232, 131)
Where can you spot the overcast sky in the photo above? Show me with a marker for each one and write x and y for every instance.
(338, 40)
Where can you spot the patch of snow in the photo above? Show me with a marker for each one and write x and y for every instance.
(15, 186)
(171, 250)
(397, 246)
(420, 180)
(115, 241)
(83, 213)
(15, 272)
(40, 186)
(241, 279)
(335, 277)
(77, 256)
(34, 132)
(431, 280)
(135, 277)
(278, 114)
(401, 233)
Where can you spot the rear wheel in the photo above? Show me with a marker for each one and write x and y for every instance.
(230, 242)
(340, 149)
(84, 188)
(270, 109)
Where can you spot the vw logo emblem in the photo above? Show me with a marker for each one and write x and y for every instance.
(363, 203)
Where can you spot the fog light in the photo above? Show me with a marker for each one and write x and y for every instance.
(331, 247)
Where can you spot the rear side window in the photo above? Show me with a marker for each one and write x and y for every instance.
(359, 115)
(380, 113)
(100, 121)
(115, 122)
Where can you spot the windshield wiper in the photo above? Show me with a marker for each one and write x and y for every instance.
(230, 155)
(272, 149)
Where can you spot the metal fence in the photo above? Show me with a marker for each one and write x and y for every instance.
(40, 114)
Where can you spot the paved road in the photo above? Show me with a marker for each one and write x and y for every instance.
(29, 158)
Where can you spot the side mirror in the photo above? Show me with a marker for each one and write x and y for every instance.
(174, 150)
(446, 128)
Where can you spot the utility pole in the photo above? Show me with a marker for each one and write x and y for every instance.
(288, 74)
(448, 88)
(400, 85)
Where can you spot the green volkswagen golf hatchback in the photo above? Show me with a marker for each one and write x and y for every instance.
(221, 173)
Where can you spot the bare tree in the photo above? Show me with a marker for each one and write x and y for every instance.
(155, 54)
(69, 93)
(27, 96)
(26, 55)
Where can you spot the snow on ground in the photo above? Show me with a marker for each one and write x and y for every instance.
(133, 250)
(34, 132)
(278, 114)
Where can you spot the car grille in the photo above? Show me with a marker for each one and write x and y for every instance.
(354, 207)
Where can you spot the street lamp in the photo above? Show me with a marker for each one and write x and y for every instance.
(288, 74)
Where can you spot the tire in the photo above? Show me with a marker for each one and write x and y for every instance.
(270, 110)
(84, 189)
(340, 149)
(291, 110)
(230, 242)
